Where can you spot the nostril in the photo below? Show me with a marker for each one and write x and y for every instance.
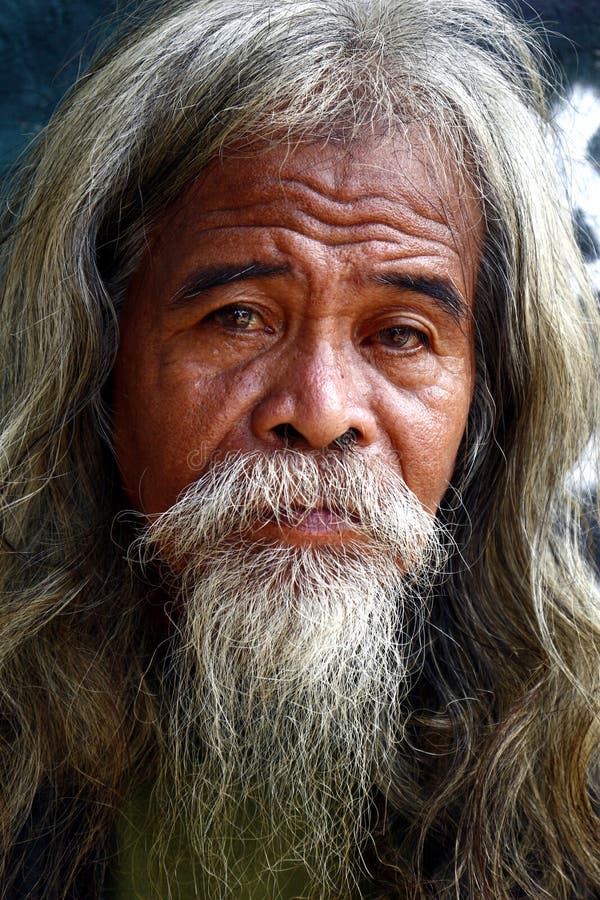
(347, 439)
(287, 432)
(290, 435)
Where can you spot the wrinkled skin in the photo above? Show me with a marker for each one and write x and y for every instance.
(286, 298)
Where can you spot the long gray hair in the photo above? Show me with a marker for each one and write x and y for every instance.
(495, 780)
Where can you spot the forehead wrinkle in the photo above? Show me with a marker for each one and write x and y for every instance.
(411, 224)
(413, 213)
(333, 197)
(270, 190)
(350, 211)
(409, 227)
(356, 199)
(361, 239)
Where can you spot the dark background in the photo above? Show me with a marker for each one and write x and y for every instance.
(43, 46)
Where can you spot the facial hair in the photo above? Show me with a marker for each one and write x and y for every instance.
(290, 665)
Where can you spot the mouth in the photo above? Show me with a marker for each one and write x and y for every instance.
(318, 525)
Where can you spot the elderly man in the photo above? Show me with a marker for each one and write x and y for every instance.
(300, 360)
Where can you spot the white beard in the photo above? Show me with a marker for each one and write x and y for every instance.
(291, 663)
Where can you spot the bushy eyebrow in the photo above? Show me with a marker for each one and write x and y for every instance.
(206, 277)
(443, 292)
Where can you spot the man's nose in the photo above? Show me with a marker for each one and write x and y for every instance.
(317, 398)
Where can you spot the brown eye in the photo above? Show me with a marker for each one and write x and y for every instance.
(239, 318)
(402, 337)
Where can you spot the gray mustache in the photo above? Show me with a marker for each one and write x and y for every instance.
(242, 490)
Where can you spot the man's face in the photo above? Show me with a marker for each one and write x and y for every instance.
(293, 295)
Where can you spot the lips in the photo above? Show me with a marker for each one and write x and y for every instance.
(321, 524)
(315, 520)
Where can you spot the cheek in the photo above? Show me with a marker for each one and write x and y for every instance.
(426, 435)
(165, 436)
